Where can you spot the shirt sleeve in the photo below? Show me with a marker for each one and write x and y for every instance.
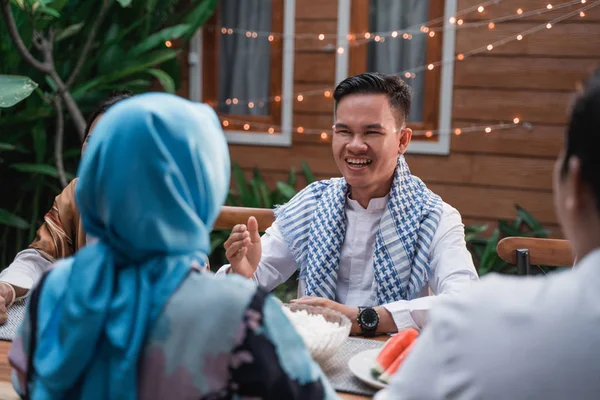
(277, 263)
(272, 362)
(452, 269)
(26, 269)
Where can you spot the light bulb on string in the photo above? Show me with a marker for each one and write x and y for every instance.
(405, 36)
(235, 100)
(460, 22)
(224, 30)
(520, 37)
(228, 102)
(324, 135)
(300, 97)
(340, 50)
(460, 57)
(491, 25)
(457, 131)
(251, 105)
(582, 14)
(168, 43)
(548, 26)
(452, 20)
(271, 131)
(300, 129)
(367, 35)
(225, 123)
(321, 37)
(277, 99)
(431, 34)
(248, 34)
(490, 47)
(254, 35)
(395, 34)
(516, 121)
(519, 11)
(430, 67)
(327, 94)
(229, 31)
(480, 9)
(488, 129)
(428, 134)
(271, 38)
(549, 6)
(246, 127)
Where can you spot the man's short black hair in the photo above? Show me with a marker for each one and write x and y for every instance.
(583, 135)
(398, 92)
(107, 103)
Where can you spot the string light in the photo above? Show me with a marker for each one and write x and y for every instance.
(367, 35)
(321, 37)
(300, 129)
(271, 130)
(516, 120)
(246, 127)
(251, 105)
(225, 123)
(271, 38)
(228, 102)
(407, 75)
(491, 25)
(340, 50)
(582, 14)
(300, 97)
(431, 34)
(520, 11)
(406, 36)
(548, 26)
(235, 100)
(377, 38)
(480, 9)
(452, 20)
(430, 67)
(460, 22)
(472, 52)
(549, 6)
(224, 30)
(327, 94)
(168, 43)
(248, 34)
(457, 131)
(428, 134)
(395, 34)
(324, 135)
(230, 31)
(488, 129)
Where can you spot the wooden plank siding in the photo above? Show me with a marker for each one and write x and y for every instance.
(485, 174)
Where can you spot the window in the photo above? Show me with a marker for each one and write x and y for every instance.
(408, 55)
(242, 68)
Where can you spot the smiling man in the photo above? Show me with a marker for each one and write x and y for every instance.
(370, 244)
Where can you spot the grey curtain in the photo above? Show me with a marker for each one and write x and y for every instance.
(396, 54)
(244, 63)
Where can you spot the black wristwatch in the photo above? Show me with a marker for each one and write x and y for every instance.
(368, 320)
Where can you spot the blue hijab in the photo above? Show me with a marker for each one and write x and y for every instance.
(151, 184)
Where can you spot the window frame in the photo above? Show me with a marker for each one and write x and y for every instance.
(437, 112)
(204, 79)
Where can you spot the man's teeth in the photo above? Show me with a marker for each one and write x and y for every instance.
(357, 161)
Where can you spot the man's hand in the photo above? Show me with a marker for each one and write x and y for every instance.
(6, 297)
(242, 248)
(348, 311)
(386, 322)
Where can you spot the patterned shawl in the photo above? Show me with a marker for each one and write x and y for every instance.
(313, 225)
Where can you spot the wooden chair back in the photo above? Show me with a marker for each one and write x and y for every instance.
(231, 216)
(525, 251)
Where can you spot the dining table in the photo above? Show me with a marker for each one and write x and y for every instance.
(7, 392)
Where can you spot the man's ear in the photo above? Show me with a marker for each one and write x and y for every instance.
(405, 137)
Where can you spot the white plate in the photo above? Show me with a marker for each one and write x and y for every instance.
(360, 365)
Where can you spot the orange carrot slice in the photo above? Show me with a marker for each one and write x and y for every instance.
(385, 377)
(392, 349)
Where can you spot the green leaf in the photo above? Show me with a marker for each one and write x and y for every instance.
(165, 79)
(292, 178)
(508, 230)
(159, 38)
(43, 169)
(286, 190)
(39, 142)
(124, 3)
(472, 231)
(12, 220)
(529, 219)
(15, 88)
(142, 63)
(198, 16)
(49, 11)
(242, 185)
(69, 31)
(310, 177)
(7, 147)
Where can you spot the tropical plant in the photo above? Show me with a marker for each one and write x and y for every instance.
(60, 58)
(483, 248)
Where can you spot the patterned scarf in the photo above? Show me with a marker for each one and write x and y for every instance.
(313, 225)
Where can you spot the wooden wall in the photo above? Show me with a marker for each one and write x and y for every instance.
(485, 174)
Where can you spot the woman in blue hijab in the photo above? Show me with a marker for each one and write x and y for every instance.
(132, 316)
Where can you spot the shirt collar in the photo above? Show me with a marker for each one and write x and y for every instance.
(376, 204)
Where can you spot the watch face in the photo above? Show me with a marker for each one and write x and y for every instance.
(369, 318)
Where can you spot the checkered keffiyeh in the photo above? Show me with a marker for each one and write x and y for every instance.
(313, 225)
